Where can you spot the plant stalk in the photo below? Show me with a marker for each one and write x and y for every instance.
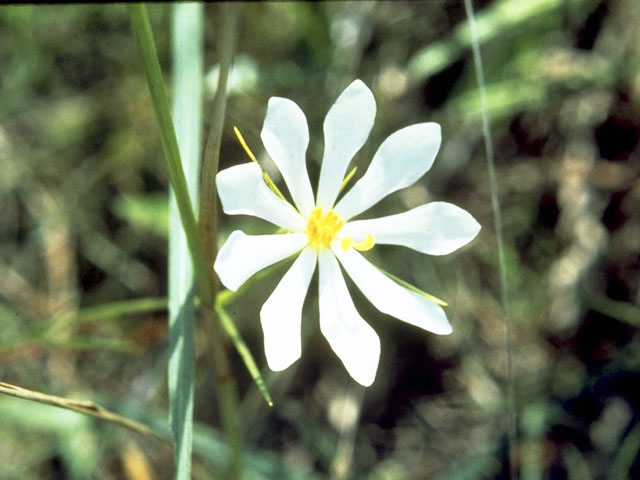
(208, 231)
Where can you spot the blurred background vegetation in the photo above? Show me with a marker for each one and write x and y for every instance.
(83, 223)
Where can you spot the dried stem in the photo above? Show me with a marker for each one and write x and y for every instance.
(82, 406)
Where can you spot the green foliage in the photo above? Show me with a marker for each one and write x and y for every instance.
(147, 212)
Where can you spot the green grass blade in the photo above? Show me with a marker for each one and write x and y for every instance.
(511, 418)
(142, 31)
(188, 73)
(243, 350)
(112, 310)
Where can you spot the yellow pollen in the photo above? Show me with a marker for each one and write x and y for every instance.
(323, 229)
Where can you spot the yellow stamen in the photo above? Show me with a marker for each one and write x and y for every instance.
(272, 186)
(265, 176)
(323, 229)
(346, 243)
(366, 244)
(244, 144)
(348, 177)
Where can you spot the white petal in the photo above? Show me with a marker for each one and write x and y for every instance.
(392, 298)
(281, 314)
(243, 255)
(436, 228)
(285, 136)
(242, 191)
(400, 161)
(346, 128)
(353, 340)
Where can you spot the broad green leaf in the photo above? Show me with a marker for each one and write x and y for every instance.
(187, 54)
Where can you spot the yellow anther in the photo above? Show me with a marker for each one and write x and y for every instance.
(346, 243)
(366, 244)
(265, 176)
(323, 229)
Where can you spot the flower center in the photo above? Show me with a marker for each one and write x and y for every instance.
(323, 229)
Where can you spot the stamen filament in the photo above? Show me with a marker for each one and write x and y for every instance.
(348, 178)
(265, 176)
(272, 186)
(244, 145)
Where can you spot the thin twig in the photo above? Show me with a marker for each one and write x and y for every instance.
(82, 406)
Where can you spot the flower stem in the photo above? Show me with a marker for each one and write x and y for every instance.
(208, 198)
(228, 399)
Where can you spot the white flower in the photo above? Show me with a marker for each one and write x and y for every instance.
(321, 230)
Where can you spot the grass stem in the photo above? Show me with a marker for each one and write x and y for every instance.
(497, 216)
